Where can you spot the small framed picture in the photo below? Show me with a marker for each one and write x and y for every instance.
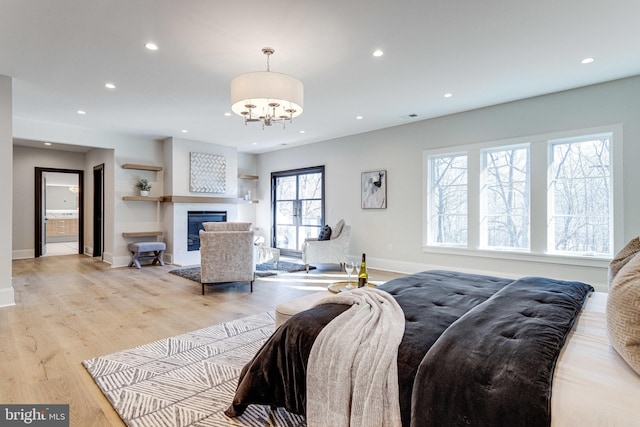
(374, 189)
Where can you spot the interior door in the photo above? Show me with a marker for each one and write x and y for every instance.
(297, 207)
(40, 226)
(98, 210)
(43, 215)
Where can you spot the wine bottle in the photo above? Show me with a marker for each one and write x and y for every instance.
(363, 277)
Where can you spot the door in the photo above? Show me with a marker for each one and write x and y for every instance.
(297, 207)
(43, 216)
(41, 221)
(98, 210)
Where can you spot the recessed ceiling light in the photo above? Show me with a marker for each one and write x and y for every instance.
(151, 46)
(81, 112)
(359, 117)
(255, 143)
(184, 131)
(378, 52)
(47, 143)
(302, 131)
(448, 95)
(587, 60)
(227, 114)
(109, 85)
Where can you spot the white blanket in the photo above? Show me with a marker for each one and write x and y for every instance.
(352, 373)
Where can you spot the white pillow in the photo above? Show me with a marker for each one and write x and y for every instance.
(337, 229)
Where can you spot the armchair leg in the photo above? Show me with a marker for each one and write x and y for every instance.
(252, 286)
(307, 266)
(203, 289)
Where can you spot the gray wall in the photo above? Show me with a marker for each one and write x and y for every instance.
(392, 237)
(6, 169)
(25, 160)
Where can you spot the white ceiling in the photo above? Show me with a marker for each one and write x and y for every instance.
(61, 53)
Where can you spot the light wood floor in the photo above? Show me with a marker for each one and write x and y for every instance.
(72, 308)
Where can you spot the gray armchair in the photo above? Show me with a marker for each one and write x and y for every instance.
(226, 253)
(333, 251)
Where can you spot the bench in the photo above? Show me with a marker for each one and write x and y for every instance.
(146, 250)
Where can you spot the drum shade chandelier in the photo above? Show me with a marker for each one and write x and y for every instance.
(267, 97)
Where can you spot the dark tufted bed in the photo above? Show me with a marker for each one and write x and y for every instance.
(476, 350)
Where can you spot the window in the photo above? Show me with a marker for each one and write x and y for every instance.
(448, 189)
(297, 207)
(580, 196)
(505, 198)
(549, 194)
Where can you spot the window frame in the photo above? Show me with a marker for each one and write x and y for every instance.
(540, 164)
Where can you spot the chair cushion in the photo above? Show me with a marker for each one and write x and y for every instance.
(623, 316)
(325, 233)
(337, 229)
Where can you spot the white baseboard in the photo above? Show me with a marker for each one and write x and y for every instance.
(7, 297)
(23, 254)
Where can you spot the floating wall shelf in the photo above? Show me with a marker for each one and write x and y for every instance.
(142, 234)
(142, 198)
(142, 167)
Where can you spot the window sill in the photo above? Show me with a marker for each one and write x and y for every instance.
(590, 261)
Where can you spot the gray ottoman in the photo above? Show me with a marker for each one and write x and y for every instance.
(146, 250)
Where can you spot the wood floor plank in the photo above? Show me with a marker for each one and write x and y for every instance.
(72, 308)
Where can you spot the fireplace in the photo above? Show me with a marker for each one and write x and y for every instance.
(194, 225)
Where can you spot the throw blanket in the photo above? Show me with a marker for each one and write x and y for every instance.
(352, 376)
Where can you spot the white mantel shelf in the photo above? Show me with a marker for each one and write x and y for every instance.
(201, 199)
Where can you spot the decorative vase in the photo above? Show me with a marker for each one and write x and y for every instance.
(144, 193)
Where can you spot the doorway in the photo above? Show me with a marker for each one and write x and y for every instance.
(98, 210)
(59, 213)
(297, 207)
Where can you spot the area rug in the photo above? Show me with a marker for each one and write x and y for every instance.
(189, 379)
(262, 270)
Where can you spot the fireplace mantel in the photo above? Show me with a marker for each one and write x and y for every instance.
(202, 199)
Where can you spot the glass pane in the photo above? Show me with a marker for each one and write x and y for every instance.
(448, 200)
(311, 186)
(284, 213)
(286, 237)
(286, 188)
(505, 198)
(311, 213)
(580, 197)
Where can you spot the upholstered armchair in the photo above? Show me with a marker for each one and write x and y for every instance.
(332, 251)
(226, 253)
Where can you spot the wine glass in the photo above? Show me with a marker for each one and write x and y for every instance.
(349, 266)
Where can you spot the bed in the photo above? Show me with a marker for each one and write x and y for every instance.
(476, 350)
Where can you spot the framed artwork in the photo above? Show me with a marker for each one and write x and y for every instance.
(208, 173)
(374, 189)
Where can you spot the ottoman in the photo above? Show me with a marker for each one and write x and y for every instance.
(286, 310)
(146, 250)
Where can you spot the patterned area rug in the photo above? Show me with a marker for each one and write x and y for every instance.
(189, 379)
(262, 270)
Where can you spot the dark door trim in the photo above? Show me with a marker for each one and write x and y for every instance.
(39, 238)
(98, 210)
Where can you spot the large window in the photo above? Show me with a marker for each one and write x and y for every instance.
(297, 207)
(539, 195)
(580, 196)
(505, 198)
(448, 189)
